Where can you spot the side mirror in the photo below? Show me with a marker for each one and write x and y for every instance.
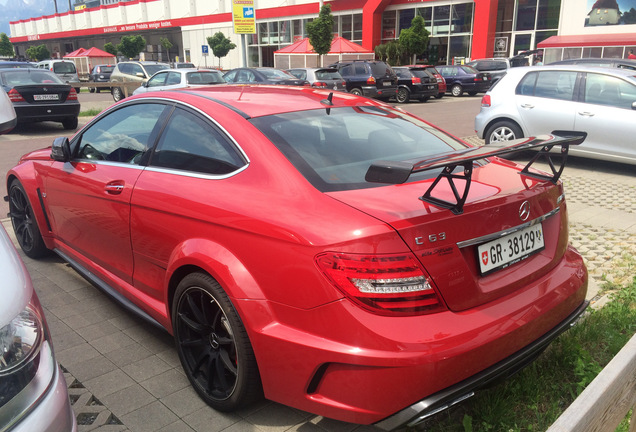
(61, 150)
(634, 105)
(140, 75)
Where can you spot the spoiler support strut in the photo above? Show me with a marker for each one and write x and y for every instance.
(392, 172)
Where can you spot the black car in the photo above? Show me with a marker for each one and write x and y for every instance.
(39, 95)
(415, 83)
(371, 78)
(262, 75)
(463, 78)
(100, 73)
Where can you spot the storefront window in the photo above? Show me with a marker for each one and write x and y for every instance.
(548, 15)
(459, 48)
(388, 25)
(571, 53)
(252, 56)
(285, 32)
(357, 28)
(406, 17)
(540, 36)
(462, 18)
(262, 33)
(346, 27)
(505, 14)
(298, 30)
(594, 52)
(526, 13)
(613, 52)
(441, 19)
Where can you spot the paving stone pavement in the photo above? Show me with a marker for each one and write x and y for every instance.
(124, 375)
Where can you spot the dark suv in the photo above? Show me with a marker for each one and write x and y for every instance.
(371, 78)
(415, 82)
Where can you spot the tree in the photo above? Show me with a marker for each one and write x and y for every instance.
(220, 45)
(110, 48)
(414, 40)
(167, 45)
(320, 31)
(37, 53)
(131, 46)
(6, 47)
(394, 52)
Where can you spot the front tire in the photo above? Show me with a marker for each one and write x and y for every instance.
(457, 90)
(403, 95)
(502, 131)
(213, 345)
(24, 224)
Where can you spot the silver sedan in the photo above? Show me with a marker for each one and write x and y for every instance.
(170, 79)
(531, 101)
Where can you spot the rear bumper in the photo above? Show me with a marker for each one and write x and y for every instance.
(420, 411)
(379, 93)
(422, 90)
(8, 125)
(46, 112)
(342, 362)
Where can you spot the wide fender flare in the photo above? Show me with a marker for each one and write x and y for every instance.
(219, 262)
(31, 182)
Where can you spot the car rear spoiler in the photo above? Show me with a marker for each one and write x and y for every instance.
(398, 172)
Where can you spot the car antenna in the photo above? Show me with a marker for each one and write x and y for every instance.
(328, 101)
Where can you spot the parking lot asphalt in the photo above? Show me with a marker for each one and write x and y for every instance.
(124, 375)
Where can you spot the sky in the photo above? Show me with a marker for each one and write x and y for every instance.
(14, 10)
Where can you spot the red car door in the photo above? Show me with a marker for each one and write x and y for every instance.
(89, 197)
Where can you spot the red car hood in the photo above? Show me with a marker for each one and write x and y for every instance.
(41, 154)
(442, 240)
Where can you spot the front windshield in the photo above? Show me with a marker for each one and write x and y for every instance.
(334, 149)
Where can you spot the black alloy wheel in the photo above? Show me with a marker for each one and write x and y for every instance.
(403, 95)
(24, 224)
(213, 345)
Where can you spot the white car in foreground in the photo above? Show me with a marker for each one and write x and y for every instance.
(531, 101)
(33, 394)
(8, 119)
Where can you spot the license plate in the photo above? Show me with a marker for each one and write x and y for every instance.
(386, 83)
(46, 97)
(485, 78)
(510, 249)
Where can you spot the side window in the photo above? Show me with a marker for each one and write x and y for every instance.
(346, 70)
(135, 69)
(190, 143)
(360, 69)
(610, 91)
(229, 77)
(555, 85)
(526, 85)
(173, 78)
(125, 68)
(121, 136)
(157, 80)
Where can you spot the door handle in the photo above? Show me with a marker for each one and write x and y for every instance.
(586, 114)
(527, 106)
(114, 188)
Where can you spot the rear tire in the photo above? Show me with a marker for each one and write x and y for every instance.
(92, 90)
(213, 344)
(24, 223)
(457, 90)
(356, 91)
(117, 94)
(70, 124)
(502, 131)
(424, 99)
(403, 95)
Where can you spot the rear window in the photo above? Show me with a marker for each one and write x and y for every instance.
(105, 69)
(64, 67)
(421, 73)
(14, 78)
(490, 65)
(469, 69)
(328, 74)
(381, 68)
(334, 148)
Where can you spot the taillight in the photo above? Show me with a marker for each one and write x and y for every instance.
(319, 84)
(371, 80)
(416, 80)
(15, 96)
(384, 284)
(72, 95)
(485, 100)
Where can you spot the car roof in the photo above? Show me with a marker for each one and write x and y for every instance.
(256, 100)
(522, 70)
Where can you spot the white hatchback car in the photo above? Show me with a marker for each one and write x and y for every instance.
(531, 101)
(8, 119)
(170, 79)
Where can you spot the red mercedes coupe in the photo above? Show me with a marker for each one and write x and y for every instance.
(323, 250)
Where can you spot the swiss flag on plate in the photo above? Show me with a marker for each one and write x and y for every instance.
(484, 257)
